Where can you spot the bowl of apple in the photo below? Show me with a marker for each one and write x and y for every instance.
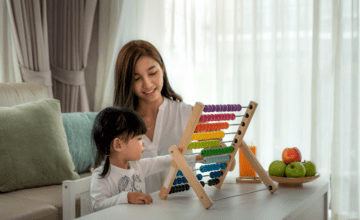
(290, 171)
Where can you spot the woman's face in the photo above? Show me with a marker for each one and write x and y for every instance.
(148, 79)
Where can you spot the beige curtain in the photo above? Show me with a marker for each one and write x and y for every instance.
(29, 22)
(70, 26)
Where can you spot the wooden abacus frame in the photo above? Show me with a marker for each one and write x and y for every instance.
(179, 162)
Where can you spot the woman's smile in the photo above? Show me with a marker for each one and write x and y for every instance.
(151, 92)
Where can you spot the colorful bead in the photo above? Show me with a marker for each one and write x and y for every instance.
(223, 166)
(184, 180)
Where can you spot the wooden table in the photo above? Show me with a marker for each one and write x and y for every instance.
(308, 202)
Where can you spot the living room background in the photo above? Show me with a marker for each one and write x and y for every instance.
(299, 60)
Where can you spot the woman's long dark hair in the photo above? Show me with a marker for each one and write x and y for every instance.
(125, 66)
(110, 123)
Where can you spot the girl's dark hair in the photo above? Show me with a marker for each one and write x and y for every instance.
(125, 66)
(110, 123)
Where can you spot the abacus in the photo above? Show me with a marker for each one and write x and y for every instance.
(224, 155)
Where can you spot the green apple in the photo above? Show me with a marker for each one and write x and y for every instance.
(295, 169)
(310, 168)
(277, 168)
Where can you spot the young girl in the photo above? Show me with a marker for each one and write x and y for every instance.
(120, 178)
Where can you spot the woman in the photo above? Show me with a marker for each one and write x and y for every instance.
(141, 84)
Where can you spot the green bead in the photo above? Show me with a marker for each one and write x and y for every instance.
(217, 143)
(231, 149)
(213, 151)
(208, 144)
(189, 147)
(222, 150)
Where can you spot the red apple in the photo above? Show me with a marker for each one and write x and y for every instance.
(290, 155)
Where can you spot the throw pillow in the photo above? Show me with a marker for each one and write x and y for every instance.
(78, 128)
(33, 146)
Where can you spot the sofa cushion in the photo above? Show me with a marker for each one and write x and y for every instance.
(33, 146)
(78, 128)
(20, 208)
(51, 195)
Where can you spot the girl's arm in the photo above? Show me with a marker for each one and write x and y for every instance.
(100, 193)
(153, 165)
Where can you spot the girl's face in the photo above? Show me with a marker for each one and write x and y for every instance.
(148, 79)
(134, 148)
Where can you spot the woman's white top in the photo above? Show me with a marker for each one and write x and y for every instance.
(170, 125)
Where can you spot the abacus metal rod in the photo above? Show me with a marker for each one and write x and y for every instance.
(240, 194)
(198, 161)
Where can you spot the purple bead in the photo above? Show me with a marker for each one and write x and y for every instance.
(225, 108)
(212, 108)
(240, 107)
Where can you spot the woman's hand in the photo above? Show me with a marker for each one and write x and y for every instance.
(139, 198)
(199, 157)
(232, 167)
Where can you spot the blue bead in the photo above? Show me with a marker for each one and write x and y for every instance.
(202, 169)
(217, 166)
(183, 180)
(212, 175)
(206, 168)
(199, 177)
(223, 165)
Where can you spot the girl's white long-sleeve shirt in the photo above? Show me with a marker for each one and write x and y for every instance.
(114, 187)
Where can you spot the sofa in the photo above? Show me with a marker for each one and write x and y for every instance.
(32, 199)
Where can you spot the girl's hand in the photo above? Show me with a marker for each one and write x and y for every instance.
(139, 198)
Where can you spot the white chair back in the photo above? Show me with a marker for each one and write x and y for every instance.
(72, 188)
